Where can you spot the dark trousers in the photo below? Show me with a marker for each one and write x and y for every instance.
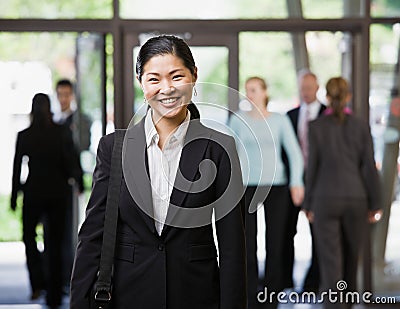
(67, 250)
(67, 246)
(311, 280)
(339, 226)
(52, 210)
(275, 209)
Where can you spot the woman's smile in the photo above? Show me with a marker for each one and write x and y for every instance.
(169, 102)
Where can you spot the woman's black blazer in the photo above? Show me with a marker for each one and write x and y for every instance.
(179, 269)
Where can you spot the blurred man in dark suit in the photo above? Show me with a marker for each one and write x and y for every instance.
(310, 108)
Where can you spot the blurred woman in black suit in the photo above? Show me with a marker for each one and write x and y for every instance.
(342, 189)
(53, 162)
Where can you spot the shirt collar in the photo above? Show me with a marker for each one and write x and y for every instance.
(152, 135)
(149, 129)
(312, 108)
(311, 105)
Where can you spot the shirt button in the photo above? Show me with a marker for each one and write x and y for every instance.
(164, 197)
(161, 247)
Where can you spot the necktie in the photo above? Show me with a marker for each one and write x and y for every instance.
(304, 136)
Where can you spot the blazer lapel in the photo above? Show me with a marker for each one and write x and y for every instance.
(321, 109)
(135, 168)
(296, 119)
(195, 145)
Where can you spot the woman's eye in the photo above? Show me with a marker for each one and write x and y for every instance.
(177, 76)
(152, 79)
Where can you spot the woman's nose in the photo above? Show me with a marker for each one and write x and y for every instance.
(167, 89)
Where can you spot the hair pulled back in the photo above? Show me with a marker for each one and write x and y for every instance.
(337, 90)
(163, 45)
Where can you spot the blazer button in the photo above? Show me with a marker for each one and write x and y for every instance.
(161, 247)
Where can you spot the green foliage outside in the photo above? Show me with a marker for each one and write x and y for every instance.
(10, 221)
(53, 9)
(385, 8)
(270, 56)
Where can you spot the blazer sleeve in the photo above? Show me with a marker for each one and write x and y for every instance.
(369, 172)
(16, 182)
(293, 152)
(87, 258)
(312, 165)
(230, 229)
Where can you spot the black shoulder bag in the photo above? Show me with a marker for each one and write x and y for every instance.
(102, 291)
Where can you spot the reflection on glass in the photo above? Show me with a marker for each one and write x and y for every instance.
(206, 9)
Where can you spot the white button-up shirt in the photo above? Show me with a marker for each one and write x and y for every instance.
(307, 113)
(313, 110)
(163, 166)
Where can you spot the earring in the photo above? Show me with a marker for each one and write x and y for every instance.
(145, 100)
(195, 91)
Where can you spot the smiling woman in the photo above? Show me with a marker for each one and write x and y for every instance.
(167, 73)
(167, 86)
(165, 255)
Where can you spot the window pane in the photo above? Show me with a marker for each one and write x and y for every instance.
(30, 63)
(207, 9)
(385, 8)
(89, 75)
(323, 8)
(53, 9)
(325, 56)
(269, 55)
(383, 59)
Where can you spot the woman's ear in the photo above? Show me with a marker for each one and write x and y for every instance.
(195, 75)
(140, 82)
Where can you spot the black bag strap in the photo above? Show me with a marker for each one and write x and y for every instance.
(104, 278)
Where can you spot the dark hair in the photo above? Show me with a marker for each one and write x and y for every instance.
(194, 112)
(65, 83)
(163, 45)
(41, 114)
(337, 89)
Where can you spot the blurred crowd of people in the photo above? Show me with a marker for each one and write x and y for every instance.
(316, 158)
